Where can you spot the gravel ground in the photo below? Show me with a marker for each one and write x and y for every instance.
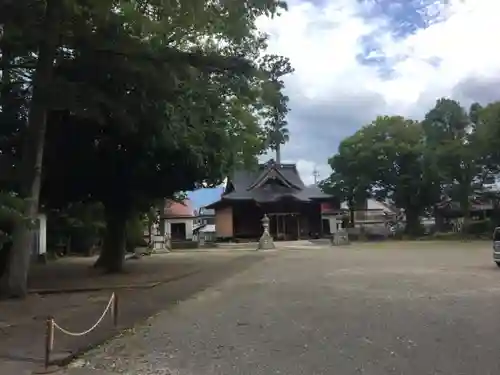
(421, 309)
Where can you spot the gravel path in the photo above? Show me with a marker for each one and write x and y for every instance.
(372, 310)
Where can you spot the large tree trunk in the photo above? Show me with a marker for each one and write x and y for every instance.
(112, 256)
(15, 280)
(352, 211)
(465, 208)
(413, 225)
(438, 219)
(465, 191)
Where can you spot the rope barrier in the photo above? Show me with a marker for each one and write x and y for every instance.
(76, 334)
(51, 325)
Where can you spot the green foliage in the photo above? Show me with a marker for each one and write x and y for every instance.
(488, 133)
(456, 236)
(135, 233)
(79, 226)
(480, 227)
(458, 149)
(143, 99)
(11, 207)
(11, 214)
(165, 123)
(276, 67)
(451, 152)
(384, 159)
(348, 182)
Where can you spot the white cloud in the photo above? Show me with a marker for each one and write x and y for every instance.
(307, 170)
(323, 41)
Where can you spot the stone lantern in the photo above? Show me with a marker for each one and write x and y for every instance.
(266, 241)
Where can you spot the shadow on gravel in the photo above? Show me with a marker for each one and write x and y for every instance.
(24, 343)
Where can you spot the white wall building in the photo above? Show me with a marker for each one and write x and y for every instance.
(179, 228)
(40, 237)
(178, 220)
(204, 228)
(374, 212)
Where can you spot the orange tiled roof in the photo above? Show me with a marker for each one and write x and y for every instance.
(178, 209)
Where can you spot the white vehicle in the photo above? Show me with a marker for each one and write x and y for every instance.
(496, 246)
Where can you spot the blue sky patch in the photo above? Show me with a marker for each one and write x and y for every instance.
(202, 197)
(403, 18)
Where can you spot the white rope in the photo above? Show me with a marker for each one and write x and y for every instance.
(91, 328)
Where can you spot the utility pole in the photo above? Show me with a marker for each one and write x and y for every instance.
(315, 175)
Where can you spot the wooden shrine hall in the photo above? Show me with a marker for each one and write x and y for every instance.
(295, 211)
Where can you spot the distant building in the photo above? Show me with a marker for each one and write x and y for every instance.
(372, 212)
(177, 220)
(204, 227)
(276, 190)
(479, 208)
(205, 216)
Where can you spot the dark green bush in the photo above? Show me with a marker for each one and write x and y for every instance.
(11, 207)
(479, 227)
(184, 244)
(83, 239)
(135, 234)
(353, 237)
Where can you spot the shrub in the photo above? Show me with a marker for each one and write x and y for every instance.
(184, 244)
(135, 234)
(456, 236)
(480, 227)
(11, 207)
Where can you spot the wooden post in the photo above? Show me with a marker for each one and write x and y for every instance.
(49, 340)
(115, 310)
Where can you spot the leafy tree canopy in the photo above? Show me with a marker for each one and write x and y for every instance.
(452, 152)
(131, 101)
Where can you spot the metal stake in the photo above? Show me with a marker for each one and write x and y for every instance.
(49, 340)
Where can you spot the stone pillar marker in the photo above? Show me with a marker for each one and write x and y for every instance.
(340, 238)
(333, 225)
(266, 241)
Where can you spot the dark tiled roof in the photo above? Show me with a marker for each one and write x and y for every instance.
(475, 205)
(254, 185)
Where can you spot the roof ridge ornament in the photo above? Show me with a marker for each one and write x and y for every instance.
(271, 172)
(271, 163)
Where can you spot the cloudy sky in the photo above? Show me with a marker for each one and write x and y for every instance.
(356, 59)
